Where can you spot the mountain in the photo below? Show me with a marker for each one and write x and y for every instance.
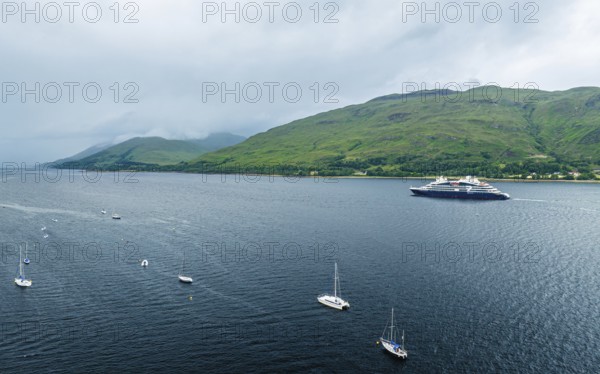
(83, 154)
(144, 152)
(217, 141)
(487, 129)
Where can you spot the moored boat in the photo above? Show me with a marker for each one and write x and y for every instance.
(389, 342)
(21, 280)
(334, 301)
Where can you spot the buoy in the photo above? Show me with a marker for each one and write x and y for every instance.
(189, 298)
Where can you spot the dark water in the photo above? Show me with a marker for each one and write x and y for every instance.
(504, 286)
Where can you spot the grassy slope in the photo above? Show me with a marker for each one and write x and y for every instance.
(152, 150)
(393, 131)
(218, 140)
(520, 126)
(83, 154)
(391, 126)
(570, 123)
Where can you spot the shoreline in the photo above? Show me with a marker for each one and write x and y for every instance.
(480, 178)
(423, 179)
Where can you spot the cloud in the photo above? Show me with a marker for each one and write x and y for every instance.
(171, 54)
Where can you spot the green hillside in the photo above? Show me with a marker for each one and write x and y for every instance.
(217, 141)
(143, 153)
(154, 150)
(399, 134)
(83, 154)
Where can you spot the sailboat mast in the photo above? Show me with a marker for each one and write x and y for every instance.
(392, 327)
(402, 339)
(335, 281)
(20, 263)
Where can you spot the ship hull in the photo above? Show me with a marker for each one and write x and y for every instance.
(460, 194)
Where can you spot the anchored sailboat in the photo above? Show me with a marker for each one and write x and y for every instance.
(334, 301)
(21, 281)
(390, 344)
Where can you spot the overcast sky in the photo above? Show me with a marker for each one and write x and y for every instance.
(179, 55)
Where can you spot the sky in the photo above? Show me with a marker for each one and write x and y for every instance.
(82, 73)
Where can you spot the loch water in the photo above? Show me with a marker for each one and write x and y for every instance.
(477, 286)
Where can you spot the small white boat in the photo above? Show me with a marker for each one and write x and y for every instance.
(145, 263)
(44, 228)
(103, 211)
(54, 220)
(116, 216)
(45, 236)
(21, 281)
(390, 344)
(334, 301)
(184, 278)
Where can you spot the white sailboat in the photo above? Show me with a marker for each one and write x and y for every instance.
(21, 281)
(335, 300)
(26, 261)
(183, 278)
(390, 344)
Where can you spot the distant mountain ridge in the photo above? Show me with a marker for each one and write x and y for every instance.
(217, 141)
(486, 131)
(85, 153)
(148, 151)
